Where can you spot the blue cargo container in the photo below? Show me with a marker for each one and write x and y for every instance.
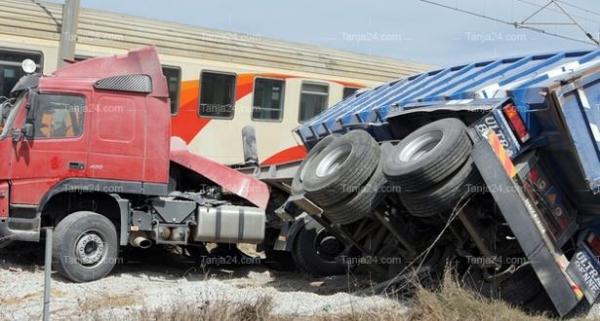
(492, 79)
(535, 126)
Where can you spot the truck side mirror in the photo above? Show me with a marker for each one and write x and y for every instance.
(28, 130)
(17, 135)
(32, 105)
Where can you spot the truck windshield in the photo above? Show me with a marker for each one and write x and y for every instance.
(8, 110)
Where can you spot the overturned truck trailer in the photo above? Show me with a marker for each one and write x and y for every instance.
(491, 166)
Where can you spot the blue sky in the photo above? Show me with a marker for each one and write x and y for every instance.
(405, 29)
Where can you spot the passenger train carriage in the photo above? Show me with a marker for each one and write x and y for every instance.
(218, 81)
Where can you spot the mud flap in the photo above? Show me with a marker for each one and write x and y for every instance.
(548, 265)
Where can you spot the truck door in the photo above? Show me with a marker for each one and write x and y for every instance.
(117, 148)
(57, 150)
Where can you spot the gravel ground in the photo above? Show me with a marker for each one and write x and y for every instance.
(158, 279)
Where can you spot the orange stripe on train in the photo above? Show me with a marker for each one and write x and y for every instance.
(292, 154)
(187, 123)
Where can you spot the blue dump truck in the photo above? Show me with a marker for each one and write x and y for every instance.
(492, 168)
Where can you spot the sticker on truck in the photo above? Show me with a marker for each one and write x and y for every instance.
(585, 271)
(502, 131)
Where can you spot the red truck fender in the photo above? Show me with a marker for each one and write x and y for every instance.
(243, 185)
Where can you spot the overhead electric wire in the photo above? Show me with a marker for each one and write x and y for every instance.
(537, 5)
(574, 22)
(514, 24)
(537, 11)
(589, 35)
(579, 8)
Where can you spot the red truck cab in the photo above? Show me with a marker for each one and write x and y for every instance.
(92, 143)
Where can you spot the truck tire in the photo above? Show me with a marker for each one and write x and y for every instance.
(6, 243)
(362, 204)
(341, 168)
(308, 256)
(443, 197)
(85, 247)
(428, 155)
(279, 260)
(297, 183)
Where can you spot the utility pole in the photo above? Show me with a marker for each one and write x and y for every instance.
(68, 33)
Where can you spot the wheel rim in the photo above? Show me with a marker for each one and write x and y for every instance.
(90, 249)
(328, 246)
(333, 161)
(422, 145)
(306, 165)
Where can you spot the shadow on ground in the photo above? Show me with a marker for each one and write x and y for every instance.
(167, 264)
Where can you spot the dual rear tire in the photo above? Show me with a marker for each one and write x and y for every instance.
(432, 168)
(343, 177)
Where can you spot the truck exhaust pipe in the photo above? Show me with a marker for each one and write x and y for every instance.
(139, 240)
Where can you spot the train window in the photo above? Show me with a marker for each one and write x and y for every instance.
(217, 94)
(268, 99)
(313, 100)
(173, 75)
(349, 91)
(10, 68)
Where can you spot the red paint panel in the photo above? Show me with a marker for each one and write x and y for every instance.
(230, 179)
(141, 61)
(118, 137)
(158, 129)
(30, 191)
(4, 200)
(36, 165)
(289, 155)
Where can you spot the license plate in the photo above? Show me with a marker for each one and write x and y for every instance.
(490, 122)
(584, 270)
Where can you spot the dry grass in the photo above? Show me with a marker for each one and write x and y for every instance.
(97, 304)
(218, 311)
(449, 303)
(452, 302)
(19, 300)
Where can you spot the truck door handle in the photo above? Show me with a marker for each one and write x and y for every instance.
(76, 165)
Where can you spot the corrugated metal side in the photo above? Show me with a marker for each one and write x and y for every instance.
(580, 104)
(482, 80)
(42, 19)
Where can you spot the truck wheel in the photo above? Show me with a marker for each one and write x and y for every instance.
(279, 260)
(361, 204)
(443, 197)
(85, 247)
(315, 250)
(341, 168)
(6, 243)
(297, 183)
(428, 155)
